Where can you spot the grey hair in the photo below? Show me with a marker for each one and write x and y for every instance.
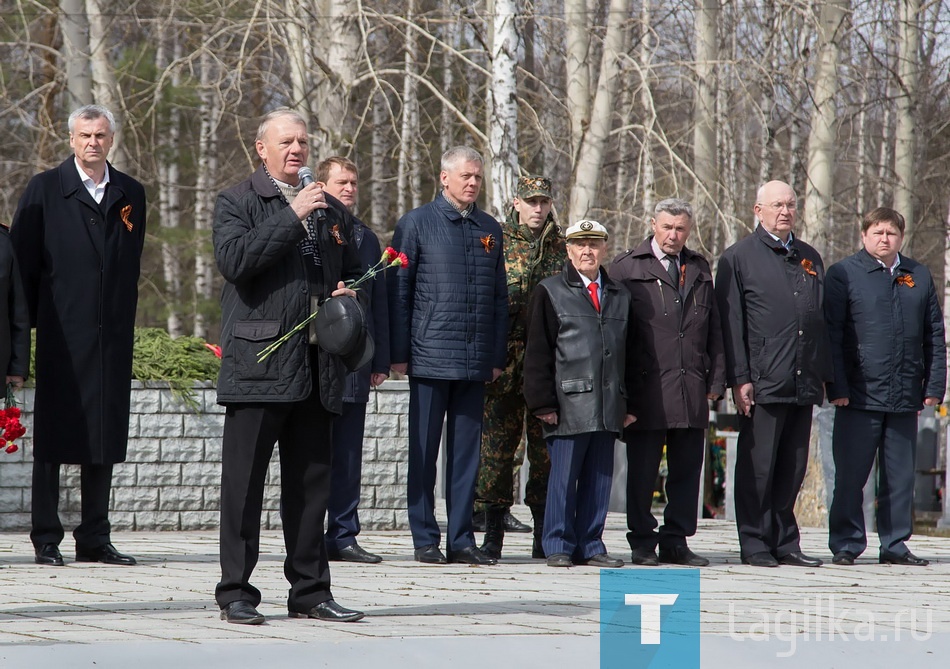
(280, 112)
(458, 154)
(674, 206)
(91, 113)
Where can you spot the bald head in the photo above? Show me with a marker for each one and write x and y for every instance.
(776, 208)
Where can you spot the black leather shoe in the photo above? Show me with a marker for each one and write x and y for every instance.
(682, 555)
(49, 554)
(329, 610)
(512, 524)
(107, 554)
(241, 613)
(799, 559)
(471, 555)
(430, 554)
(844, 558)
(353, 553)
(601, 560)
(760, 560)
(907, 559)
(645, 557)
(560, 560)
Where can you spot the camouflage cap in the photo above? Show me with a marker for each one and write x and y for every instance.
(533, 186)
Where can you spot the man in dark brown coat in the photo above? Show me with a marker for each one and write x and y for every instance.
(680, 365)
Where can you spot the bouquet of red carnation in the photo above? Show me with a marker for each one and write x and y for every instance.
(10, 426)
(390, 258)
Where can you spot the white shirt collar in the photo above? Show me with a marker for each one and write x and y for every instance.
(587, 282)
(661, 254)
(95, 190)
(892, 268)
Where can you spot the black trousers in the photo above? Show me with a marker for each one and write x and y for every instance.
(859, 436)
(343, 521)
(95, 486)
(302, 431)
(770, 468)
(684, 458)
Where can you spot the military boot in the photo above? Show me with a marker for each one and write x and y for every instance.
(494, 531)
(537, 512)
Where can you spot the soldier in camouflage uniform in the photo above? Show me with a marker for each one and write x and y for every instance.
(534, 250)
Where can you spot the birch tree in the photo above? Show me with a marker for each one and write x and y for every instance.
(503, 106)
(905, 151)
(821, 140)
(705, 161)
(75, 30)
(590, 154)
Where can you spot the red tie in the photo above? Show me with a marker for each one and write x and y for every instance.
(592, 288)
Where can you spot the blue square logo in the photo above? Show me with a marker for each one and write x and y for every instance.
(649, 618)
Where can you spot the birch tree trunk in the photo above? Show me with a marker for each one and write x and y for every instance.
(590, 156)
(338, 66)
(407, 171)
(578, 70)
(452, 34)
(299, 50)
(75, 29)
(705, 160)
(105, 88)
(169, 194)
(645, 57)
(379, 151)
(210, 111)
(905, 144)
(767, 99)
(818, 221)
(503, 106)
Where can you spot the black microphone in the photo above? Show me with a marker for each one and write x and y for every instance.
(305, 174)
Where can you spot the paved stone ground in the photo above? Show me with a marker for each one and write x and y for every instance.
(161, 612)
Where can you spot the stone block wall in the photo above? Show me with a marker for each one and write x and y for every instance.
(171, 479)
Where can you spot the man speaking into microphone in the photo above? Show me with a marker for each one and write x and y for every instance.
(278, 242)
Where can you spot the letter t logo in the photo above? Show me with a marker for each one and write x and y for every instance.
(649, 614)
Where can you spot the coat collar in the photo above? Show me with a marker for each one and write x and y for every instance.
(262, 184)
(72, 186)
(452, 213)
(650, 266)
(776, 245)
(871, 264)
(573, 277)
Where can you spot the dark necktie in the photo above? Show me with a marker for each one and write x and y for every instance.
(674, 270)
(592, 289)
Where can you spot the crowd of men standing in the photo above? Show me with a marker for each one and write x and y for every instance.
(510, 333)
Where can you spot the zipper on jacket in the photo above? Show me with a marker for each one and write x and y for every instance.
(659, 286)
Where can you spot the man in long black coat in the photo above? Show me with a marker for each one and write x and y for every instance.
(78, 234)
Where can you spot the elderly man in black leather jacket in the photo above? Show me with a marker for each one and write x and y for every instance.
(576, 368)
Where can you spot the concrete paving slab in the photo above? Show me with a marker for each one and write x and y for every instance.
(162, 613)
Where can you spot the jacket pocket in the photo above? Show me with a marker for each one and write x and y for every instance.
(569, 386)
(250, 338)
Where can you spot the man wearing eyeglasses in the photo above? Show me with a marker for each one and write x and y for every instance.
(770, 289)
